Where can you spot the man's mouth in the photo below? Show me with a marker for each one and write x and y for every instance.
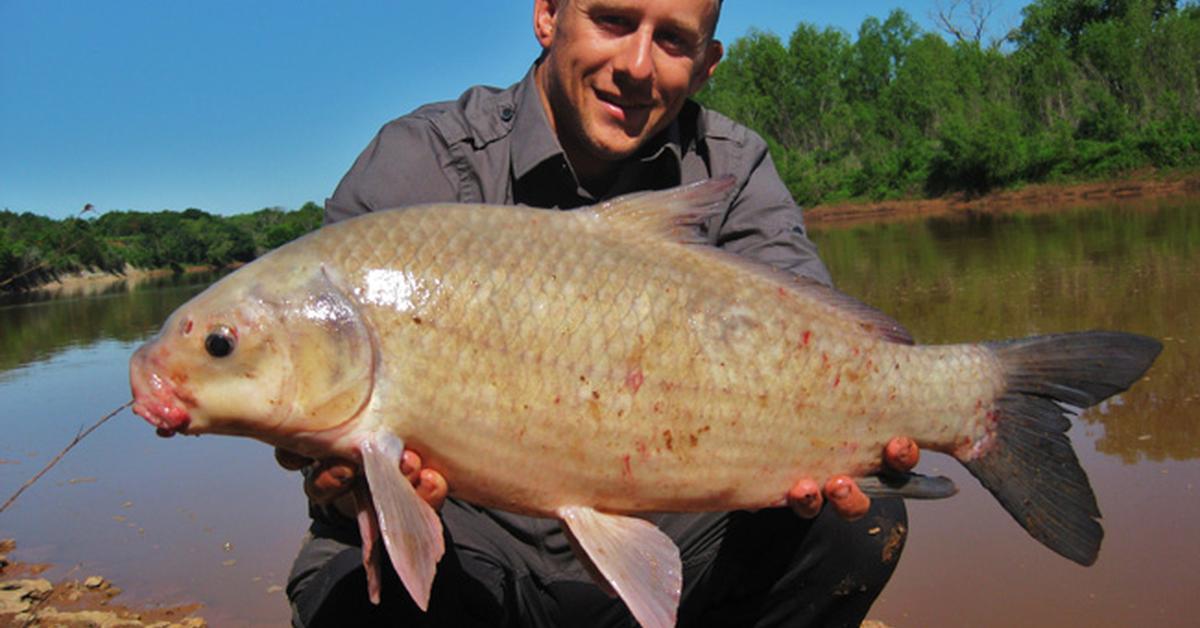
(622, 107)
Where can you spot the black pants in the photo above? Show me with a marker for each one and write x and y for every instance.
(768, 568)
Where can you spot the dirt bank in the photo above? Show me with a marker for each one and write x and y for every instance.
(90, 283)
(26, 599)
(1042, 197)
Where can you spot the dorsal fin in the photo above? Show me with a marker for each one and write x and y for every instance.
(869, 319)
(675, 214)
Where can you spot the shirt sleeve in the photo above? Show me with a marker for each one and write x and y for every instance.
(765, 224)
(406, 164)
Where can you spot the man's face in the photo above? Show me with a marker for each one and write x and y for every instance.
(617, 72)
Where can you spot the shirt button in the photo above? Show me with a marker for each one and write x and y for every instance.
(506, 114)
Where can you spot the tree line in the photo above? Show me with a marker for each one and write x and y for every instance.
(1082, 89)
(35, 249)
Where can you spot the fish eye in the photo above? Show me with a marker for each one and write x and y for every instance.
(220, 342)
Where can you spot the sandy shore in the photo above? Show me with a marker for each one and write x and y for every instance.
(26, 599)
(88, 283)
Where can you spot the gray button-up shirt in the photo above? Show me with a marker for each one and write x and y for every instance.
(496, 146)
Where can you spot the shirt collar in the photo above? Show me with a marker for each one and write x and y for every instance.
(532, 140)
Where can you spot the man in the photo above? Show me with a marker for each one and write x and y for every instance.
(604, 111)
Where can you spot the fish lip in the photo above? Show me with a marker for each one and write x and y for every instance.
(156, 400)
(167, 419)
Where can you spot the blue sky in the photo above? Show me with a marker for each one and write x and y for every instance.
(234, 106)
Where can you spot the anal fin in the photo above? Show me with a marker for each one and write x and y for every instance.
(368, 530)
(410, 528)
(638, 560)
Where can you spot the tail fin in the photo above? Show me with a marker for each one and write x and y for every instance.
(1030, 467)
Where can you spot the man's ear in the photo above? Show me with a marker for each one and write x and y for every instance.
(545, 14)
(712, 56)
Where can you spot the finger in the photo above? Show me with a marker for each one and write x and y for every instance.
(432, 488)
(804, 498)
(330, 479)
(902, 453)
(846, 498)
(291, 460)
(410, 466)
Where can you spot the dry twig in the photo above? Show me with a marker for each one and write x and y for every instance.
(75, 441)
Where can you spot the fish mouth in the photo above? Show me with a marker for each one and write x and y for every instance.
(155, 400)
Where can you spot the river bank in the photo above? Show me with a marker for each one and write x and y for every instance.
(92, 283)
(1040, 197)
(27, 599)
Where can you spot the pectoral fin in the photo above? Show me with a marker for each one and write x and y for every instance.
(638, 560)
(410, 528)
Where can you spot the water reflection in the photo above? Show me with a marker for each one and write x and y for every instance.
(37, 325)
(952, 280)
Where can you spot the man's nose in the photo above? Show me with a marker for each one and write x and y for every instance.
(635, 60)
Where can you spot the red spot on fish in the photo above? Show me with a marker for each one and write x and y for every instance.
(837, 380)
(807, 337)
(670, 441)
(854, 350)
(642, 449)
(782, 292)
(187, 328)
(633, 381)
(626, 468)
(557, 400)
(657, 406)
(824, 360)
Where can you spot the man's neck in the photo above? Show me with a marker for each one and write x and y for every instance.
(595, 175)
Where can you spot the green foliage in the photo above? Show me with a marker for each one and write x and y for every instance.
(35, 249)
(1083, 89)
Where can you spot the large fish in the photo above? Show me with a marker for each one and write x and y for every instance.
(594, 364)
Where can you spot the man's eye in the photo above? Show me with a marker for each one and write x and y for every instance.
(614, 22)
(675, 43)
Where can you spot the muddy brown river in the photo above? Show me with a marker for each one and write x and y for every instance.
(215, 520)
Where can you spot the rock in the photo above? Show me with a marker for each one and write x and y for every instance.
(93, 582)
(18, 596)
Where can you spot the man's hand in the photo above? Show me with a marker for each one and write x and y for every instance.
(332, 478)
(805, 498)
